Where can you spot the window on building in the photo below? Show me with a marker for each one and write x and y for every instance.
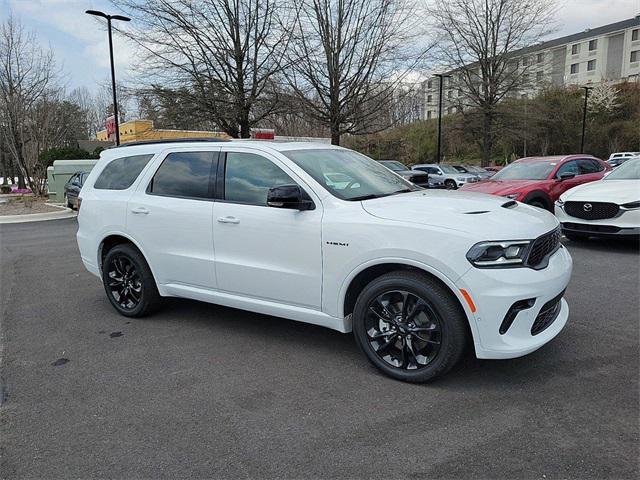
(249, 177)
(525, 78)
(429, 115)
(593, 44)
(525, 61)
(121, 172)
(450, 94)
(540, 57)
(429, 98)
(574, 68)
(635, 56)
(591, 65)
(575, 49)
(184, 174)
(429, 84)
(539, 76)
(635, 34)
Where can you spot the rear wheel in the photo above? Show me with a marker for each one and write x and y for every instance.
(450, 185)
(409, 326)
(128, 282)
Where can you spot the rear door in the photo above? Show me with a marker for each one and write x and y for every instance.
(170, 215)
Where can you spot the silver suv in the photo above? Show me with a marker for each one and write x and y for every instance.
(451, 177)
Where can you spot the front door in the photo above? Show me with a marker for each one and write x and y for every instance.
(265, 252)
(170, 215)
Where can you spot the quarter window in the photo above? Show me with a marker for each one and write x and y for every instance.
(184, 174)
(121, 172)
(248, 178)
(589, 166)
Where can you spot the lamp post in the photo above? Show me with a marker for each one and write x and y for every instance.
(109, 18)
(584, 116)
(441, 76)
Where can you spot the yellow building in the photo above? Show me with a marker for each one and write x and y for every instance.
(137, 130)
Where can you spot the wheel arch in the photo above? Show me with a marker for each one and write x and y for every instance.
(367, 272)
(117, 238)
(541, 196)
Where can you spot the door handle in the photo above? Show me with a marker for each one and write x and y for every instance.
(140, 211)
(233, 220)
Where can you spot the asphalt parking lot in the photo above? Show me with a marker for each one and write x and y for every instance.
(204, 391)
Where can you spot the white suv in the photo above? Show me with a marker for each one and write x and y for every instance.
(266, 227)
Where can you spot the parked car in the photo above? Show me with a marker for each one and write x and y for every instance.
(419, 178)
(257, 226)
(616, 162)
(72, 189)
(539, 181)
(494, 168)
(609, 207)
(614, 158)
(451, 177)
(480, 172)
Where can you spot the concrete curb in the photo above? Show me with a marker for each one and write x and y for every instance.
(39, 217)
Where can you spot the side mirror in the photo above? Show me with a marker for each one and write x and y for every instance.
(289, 196)
(566, 176)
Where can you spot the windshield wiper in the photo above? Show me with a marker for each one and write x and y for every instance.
(380, 195)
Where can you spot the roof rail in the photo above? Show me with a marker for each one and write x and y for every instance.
(173, 140)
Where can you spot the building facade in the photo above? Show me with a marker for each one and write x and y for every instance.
(137, 130)
(609, 53)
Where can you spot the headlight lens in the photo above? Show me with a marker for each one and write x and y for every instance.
(631, 205)
(512, 196)
(499, 254)
(559, 202)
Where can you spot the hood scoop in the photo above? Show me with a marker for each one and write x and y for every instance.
(477, 212)
(509, 204)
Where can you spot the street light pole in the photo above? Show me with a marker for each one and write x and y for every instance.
(584, 116)
(440, 95)
(109, 18)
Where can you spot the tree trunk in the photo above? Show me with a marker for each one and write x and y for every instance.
(245, 128)
(487, 138)
(335, 135)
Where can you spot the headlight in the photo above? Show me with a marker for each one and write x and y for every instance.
(631, 205)
(559, 202)
(512, 196)
(499, 254)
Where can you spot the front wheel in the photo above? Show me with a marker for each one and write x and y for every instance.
(409, 326)
(128, 282)
(450, 185)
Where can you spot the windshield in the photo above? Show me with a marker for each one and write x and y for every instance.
(525, 171)
(473, 168)
(349, 175)
(461, 169)
(395, 166)
(629, 170)
(448, 169)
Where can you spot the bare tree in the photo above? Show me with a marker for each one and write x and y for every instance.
(27, 75)
(348, 58)
(479, 40)
(217, 55)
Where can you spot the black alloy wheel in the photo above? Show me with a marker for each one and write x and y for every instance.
(450, 185)
(124, 282)
(403, 329)
(128, 281)
(410, 326)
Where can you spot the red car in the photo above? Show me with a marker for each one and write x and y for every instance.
(539, 181)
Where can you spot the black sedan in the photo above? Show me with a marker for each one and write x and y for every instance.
(421, 179)
(72, 189)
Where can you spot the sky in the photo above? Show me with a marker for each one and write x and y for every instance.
(80, 45)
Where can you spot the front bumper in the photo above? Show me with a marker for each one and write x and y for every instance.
(626, 223)
(494, 291)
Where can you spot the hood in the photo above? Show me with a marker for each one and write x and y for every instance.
(502, 187)
(481, 216)
(615, 191)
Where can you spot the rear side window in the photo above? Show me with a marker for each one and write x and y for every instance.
(569, 167)
(184, 174)
(589, 166)
(121, 172)
(249, 177)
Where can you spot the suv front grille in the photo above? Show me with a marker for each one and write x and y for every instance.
(542, 248)
(591, 210)
(548, 314)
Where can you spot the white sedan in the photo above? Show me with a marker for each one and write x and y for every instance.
(609, 207)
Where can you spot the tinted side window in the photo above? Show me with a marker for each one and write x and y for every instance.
(184, 174)
(588, 166)
(569, 167)
(248, 177)
(121, 172)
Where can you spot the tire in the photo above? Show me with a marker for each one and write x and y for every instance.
(538, 204)
(450, 185)
(128, 282)
(442, 323)
(576, 237)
